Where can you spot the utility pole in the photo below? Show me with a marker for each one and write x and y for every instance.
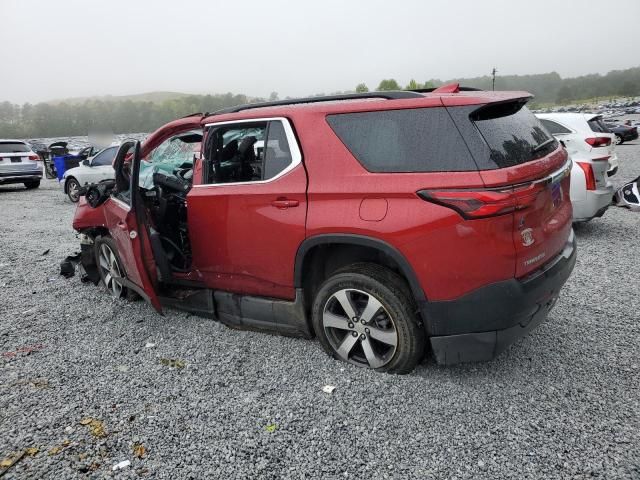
(493, 81)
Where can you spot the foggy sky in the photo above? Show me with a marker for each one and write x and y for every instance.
(70, 48)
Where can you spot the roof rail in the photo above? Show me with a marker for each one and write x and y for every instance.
(202, 114)
(391, 95)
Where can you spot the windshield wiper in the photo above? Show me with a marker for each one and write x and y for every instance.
(539, 147)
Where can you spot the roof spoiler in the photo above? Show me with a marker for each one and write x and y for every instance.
(448, 88)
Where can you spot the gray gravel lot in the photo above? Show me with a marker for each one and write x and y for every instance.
(561, 403)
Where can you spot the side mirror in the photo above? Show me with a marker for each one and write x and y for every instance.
(86, 162)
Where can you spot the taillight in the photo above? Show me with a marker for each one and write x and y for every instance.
(598, 141)
(588, 175)
(472, 204)
(34, 157)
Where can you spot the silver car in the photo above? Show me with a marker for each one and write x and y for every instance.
(19, 164)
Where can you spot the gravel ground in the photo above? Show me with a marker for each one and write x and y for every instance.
(89, 381)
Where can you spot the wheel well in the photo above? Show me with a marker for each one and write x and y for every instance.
(320, 261)
(95, 232)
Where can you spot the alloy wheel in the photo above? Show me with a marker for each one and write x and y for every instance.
(111, 272)
(359, 328)
(73, 190)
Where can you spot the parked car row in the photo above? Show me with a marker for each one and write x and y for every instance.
(623, 133)
(592, 149)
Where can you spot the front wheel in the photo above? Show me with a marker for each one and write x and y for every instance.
(619, 140)
(110, 267)
(33, 184)
(73, 190)
(365, 315)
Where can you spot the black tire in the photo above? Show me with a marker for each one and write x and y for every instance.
(33, 184)
(620, 140)
(72, 187)
(397, 313)
(117, 291)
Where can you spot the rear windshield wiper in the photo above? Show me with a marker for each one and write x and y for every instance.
(539, 147)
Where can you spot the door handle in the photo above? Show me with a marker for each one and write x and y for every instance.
(283, 203)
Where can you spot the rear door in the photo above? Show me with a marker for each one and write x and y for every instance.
(519, 154)
(124, 213)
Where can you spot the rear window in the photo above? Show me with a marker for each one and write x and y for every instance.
(597, 125)
(13, 147)
(513, 133)
(414, 140)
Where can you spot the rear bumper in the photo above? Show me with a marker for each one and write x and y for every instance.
(483, 323)
(20, 177)
(594, 204)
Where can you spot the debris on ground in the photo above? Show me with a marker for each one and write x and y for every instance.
(32, 451)
(271, 427)
(10, 461)
(23, 350)
(96, 427)
(123, 464)
(172, 362)
(55, 450)
(46, 252)
(328, 388)
(149, 345)
(68, 265)
(139, 450)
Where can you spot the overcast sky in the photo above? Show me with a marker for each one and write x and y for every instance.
(68, 48)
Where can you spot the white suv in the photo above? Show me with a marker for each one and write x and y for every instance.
(592, 150)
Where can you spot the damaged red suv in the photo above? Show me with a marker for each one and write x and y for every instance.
(386, 223)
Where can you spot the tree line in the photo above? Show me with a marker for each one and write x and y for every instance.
(128, 116)
(547, 87)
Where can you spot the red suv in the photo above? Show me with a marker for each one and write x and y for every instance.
(380, 222)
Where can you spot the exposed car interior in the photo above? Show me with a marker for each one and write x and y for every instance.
(165, 177)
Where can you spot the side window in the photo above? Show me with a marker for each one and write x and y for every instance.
(105, 157)
(411, 140)
(554, 128)
(277, 154)
(247, 152)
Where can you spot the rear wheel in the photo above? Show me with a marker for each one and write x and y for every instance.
(110, 267)
(73, 190)
(619, 140)
(365, 315)
(32, 185)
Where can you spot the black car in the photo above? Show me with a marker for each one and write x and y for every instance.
(623, 133)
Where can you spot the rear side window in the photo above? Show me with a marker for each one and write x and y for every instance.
(414, 140)
(513, 133)
(13, 147)
(597, 125)
(554, 128)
